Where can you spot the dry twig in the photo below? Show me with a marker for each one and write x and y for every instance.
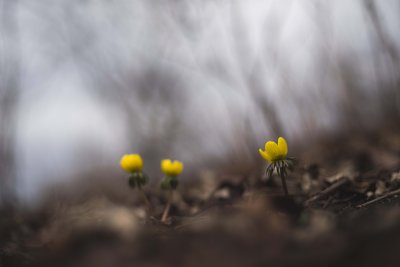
(327, 191)
(392, 193)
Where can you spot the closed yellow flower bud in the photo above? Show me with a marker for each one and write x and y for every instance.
(131, 163)
(171, 168)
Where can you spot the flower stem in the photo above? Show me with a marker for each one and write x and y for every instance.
(145, 199)
(283, 178)
(167, 207)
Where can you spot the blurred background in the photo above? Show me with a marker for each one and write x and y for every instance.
(206, 82)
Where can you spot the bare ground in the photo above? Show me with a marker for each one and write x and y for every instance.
(343, 211)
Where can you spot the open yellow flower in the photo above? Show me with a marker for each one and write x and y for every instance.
(273, 151)
(171, 168)
(131, 163)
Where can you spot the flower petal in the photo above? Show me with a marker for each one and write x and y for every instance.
(178, 167)
(271, 148)
(166, 165)
(283, 147)
(265, 155)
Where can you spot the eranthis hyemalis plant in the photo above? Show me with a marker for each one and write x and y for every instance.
(276, 155)
(133, 164)
(171, 170)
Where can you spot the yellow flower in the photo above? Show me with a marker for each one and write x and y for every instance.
(131, 163)
(273, 151)
(171, 168)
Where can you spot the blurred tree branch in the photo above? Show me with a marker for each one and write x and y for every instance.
(391, 102)
(9, 86)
